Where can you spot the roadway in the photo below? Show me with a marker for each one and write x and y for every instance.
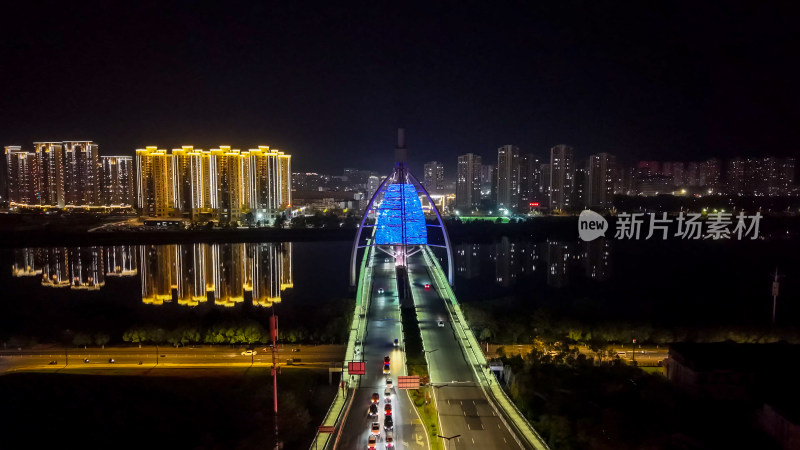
(383, 327)
(308, 356)
(462, 406)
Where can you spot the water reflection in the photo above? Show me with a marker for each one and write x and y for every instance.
(511, 260)
(189, 274)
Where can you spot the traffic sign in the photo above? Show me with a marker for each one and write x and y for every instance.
(408, 382)
(356, 368)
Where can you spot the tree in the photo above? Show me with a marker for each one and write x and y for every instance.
(81, 339)
(279, 221)
(136, 335)
(486, 334)
(298, 222)
(101, 339)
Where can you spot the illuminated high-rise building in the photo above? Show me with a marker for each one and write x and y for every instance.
(81, 173)
(561, 177)
(49, 156)
(433, 176)
(600, 184)
(22, 176)
(118, 180)
(468, 182)
(154, 182)
(508, 176)
(530, 175)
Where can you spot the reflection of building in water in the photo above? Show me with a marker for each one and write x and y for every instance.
(597, 258)
(86, 267)
(558, 258)
(190, 274)
(156, 271)
(507, 262)
(55, 267)
(225, 270)
(27, 262)
(120, 261)
(228, 274)
(76, 267)
(467, 260)
(287, 280)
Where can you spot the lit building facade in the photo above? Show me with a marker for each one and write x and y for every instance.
(219, 184)
(68, 174)
(600, 183)
(22, 176)
(508, 176)
(81, 173)
(117, 180)
(561, 177)
(50, 162)
(468, 182)
(433, 176)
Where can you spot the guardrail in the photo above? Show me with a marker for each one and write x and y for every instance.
(480, 366)
(358, 329)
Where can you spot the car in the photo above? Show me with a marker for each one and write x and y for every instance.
(440, 323)
(380, 290)
(375, 397)
(396, 342)
(86, 360)
(373, 409)
(372, 442)
(387, 395)
(53, 363)
(388, 423)
(427, 285)
(357, 351)
(388, 382)
(249, 353)
(387, 409)
(111, 360)
(389, 439)
(376, 428)
(386, 360)
(386, 369)
(386, 260)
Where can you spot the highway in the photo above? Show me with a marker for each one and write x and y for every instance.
(309, 356)
(383, 327)
(461, 403)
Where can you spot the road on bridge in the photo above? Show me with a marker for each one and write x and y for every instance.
(383, 327)
(461, 403)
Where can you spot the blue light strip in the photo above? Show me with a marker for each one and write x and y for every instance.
(400, 214)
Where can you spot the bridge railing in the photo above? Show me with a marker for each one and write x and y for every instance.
(481, 367)
(358, 329)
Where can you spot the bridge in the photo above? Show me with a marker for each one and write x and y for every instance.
(399, 270)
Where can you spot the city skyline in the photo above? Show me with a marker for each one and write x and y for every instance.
(666, 82)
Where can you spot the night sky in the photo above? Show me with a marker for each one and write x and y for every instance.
(329, 83)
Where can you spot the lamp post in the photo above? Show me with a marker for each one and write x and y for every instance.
(426, 361)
